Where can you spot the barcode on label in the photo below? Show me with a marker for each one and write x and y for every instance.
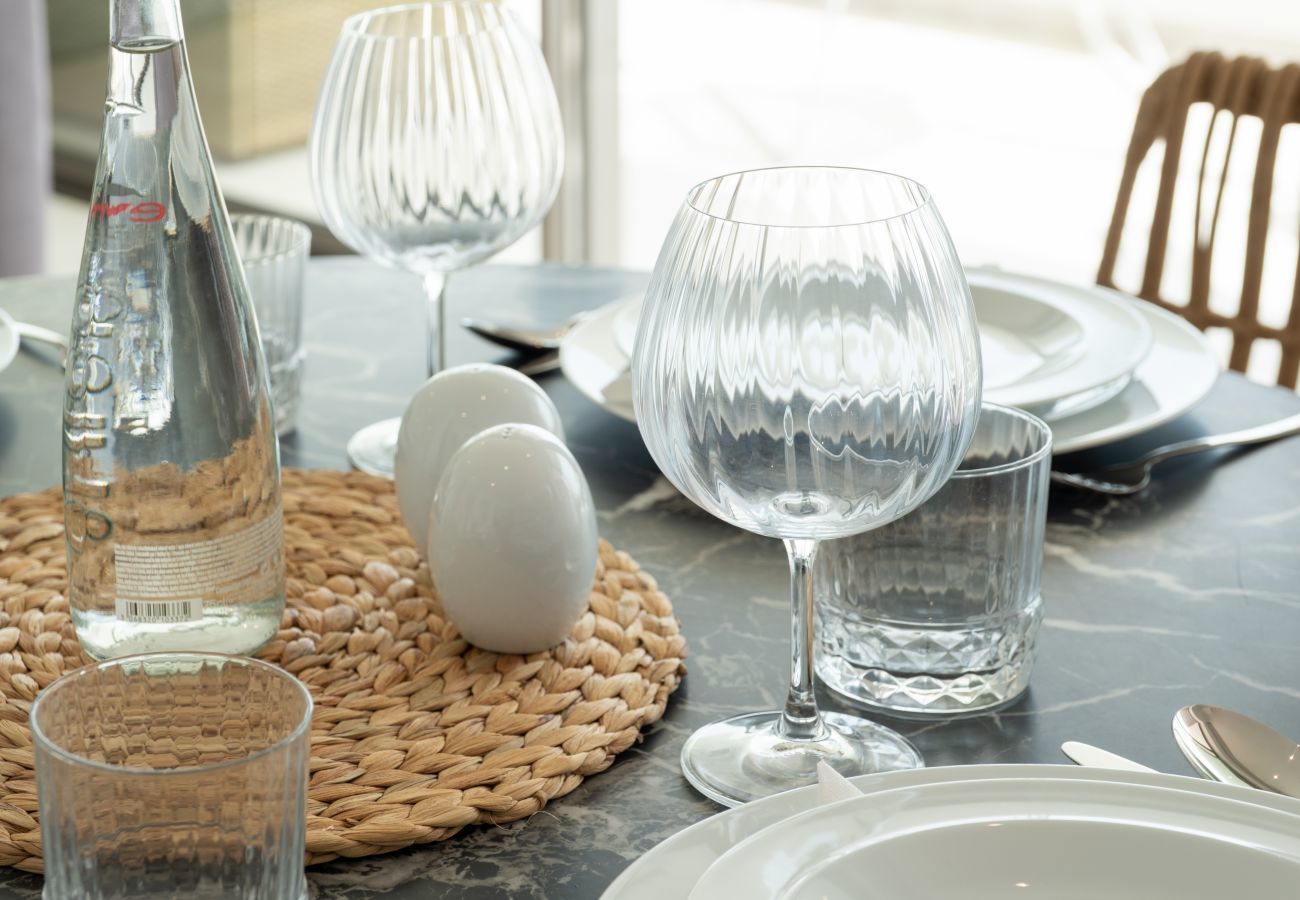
(160, 611)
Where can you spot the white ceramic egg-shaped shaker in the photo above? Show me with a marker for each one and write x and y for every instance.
(512, 540)
(452, 407)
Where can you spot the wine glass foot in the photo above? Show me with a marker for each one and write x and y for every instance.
(745, 758)
(373, 448)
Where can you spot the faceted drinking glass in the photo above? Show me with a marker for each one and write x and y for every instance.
(938, 612)
(437, 142)
(173, 775)
(807, 366)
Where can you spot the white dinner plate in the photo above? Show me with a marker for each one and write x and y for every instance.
(1044, 342)
(1040, 341)
(8, 340)
(1176, 374)
(670, 870)
(1039, 838)
(624, 325)
(1047, 348)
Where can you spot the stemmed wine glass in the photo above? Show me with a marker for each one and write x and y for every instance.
(437, 142)
(807, 366)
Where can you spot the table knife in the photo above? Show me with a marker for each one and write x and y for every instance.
(1088, 755)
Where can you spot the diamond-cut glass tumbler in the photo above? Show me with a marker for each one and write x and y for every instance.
(937, 613)
(173, 775)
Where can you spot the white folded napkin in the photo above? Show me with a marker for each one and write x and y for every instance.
(833, 787)
(619, 390)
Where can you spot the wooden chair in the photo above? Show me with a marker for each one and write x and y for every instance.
(1242, 87)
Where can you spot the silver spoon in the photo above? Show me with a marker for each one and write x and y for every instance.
(1236, 749)
(522, 340)
(1132, 477)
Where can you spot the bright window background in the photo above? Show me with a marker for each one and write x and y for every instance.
(1015, 114)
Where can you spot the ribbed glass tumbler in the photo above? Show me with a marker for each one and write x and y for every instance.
(937, 613)
(274, 254)
(173, 775)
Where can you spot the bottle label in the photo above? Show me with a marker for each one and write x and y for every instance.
(166, 583)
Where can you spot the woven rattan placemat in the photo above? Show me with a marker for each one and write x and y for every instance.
(415, 733)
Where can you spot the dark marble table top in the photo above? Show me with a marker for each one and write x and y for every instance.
(1188, 593)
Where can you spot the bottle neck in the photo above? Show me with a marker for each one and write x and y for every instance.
(145, 24)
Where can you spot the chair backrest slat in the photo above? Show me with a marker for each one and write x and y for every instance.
(1240, 87)
(1228, 93)
(1172, 130)
(1276, 98)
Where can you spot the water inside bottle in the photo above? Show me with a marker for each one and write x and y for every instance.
(171, 467)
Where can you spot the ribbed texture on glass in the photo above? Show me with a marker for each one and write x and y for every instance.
(274, 254)
(437, 139)
(807, 363)
(178, 775)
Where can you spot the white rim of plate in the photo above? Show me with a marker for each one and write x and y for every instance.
(653, 876)
(9, 340)
(624, 322)
(591, 361)
(1104, 319)
(1173, 390)
(771, 861)
(1107, 321)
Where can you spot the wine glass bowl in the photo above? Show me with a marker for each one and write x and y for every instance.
(437, 139)
(437, 142)
(807, 367)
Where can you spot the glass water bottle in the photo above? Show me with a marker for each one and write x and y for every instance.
(171, 471)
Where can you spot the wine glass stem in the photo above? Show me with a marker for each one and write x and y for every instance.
(800, 720)
(435, 284)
